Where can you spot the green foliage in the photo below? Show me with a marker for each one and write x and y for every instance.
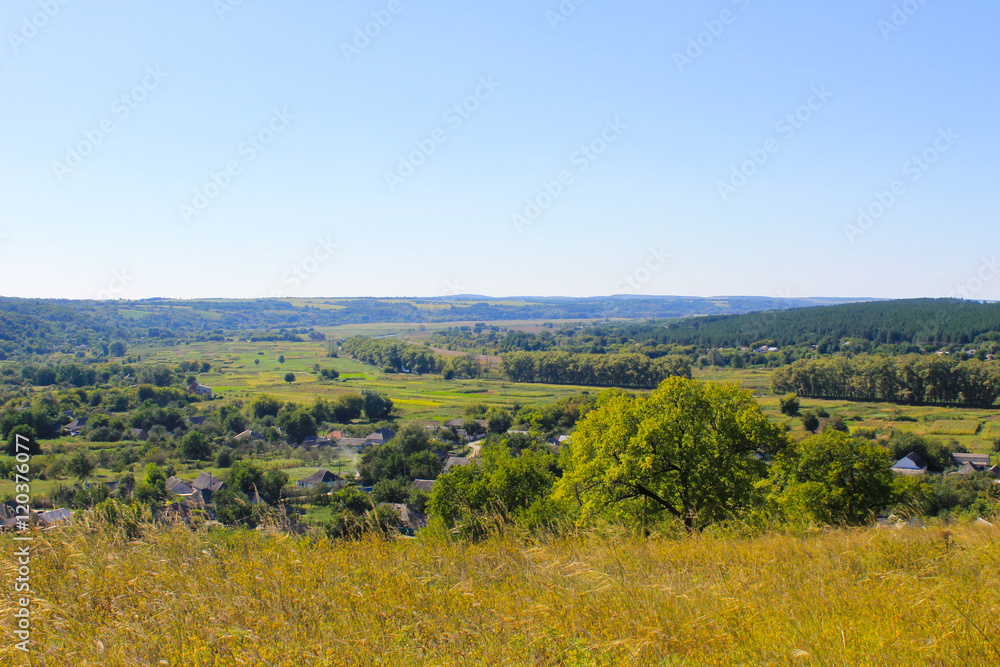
(424, 465)
(151, 490)
(475, 410)
(393, 354)
(379, 522)
(596, 370)
(81, 465)
(910, 378)
(789, 405)
(246, 477)
(289, 377)
(347, 408)
(26, 436)
(498, 420)
(688, 450)
(407, 456)
(264, 406)
(833, 478)
(376, 406)
(810, 421)
(390, 491)
(499, 487)
(297, 424)
(196, 447)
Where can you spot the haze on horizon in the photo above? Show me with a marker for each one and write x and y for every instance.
(217, 148)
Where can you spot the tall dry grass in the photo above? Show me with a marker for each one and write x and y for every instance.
(183, 597)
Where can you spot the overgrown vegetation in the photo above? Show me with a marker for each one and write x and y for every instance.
(588, 599)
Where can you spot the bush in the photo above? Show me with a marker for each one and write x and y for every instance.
(789, 405)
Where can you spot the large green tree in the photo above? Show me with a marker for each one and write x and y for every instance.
(833, 478)
(498, 486)
(690, 450)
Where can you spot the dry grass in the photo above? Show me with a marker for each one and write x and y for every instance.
(845, 597)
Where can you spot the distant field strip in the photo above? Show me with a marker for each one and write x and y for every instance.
(954, 427)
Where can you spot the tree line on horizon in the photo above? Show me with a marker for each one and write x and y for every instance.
(906, 379)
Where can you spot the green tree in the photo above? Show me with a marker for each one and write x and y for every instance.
(151, 490)
(196, 447)
(499, 487)
(789, 405)
(265, 405)
(691, 450)
(498, 420)
(25, 435)
(424, 465)
(347, 408)
(298, 424)
(81, 465)
(289, 377)
(376, 406)
(246, 477)
(810, 421)
(391, 491)
(833, 478)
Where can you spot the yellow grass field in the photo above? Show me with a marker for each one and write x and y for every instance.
(841, 597)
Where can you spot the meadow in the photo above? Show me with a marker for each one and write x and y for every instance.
(430, 399)
(177, 596)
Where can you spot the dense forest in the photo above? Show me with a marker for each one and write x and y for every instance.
(887, 327)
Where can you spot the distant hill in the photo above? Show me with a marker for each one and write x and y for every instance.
(47, 325)
(910, 321)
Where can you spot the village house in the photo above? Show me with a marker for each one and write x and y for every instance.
(425, 485)
(978, 462)
(911, 464)
(381, 436)
(321, 476)
(76, 426)
(200, 390)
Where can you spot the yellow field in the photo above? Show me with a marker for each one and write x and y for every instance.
(182, 597)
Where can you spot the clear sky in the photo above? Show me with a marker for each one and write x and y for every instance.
(227, 148)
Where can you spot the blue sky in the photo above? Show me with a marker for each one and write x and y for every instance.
(204, 148)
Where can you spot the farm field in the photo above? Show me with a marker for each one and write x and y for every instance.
(428, 398)
(242, 370)
(234, 375)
